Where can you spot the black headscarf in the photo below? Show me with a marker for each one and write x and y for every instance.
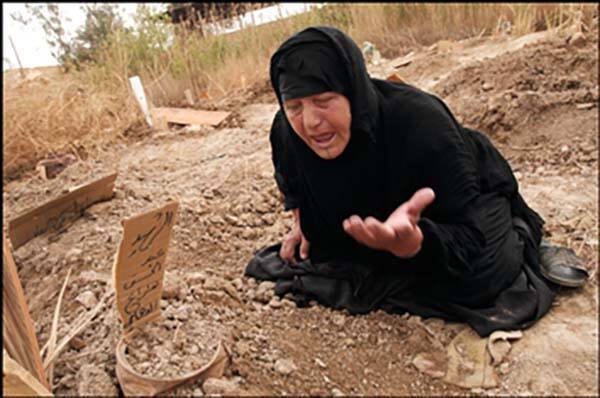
(320, 58)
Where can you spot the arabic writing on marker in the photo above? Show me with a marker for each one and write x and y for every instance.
(141, 264)
(143, 241)
(59, 221)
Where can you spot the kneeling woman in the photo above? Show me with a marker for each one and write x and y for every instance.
(396, 205)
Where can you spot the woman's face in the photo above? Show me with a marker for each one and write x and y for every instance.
(322, 121)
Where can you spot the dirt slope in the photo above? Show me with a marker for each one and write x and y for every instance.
(525, 93)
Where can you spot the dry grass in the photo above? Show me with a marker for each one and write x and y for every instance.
(84, 111)
(44, 115)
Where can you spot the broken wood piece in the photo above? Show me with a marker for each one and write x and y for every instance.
(17, 381)
(56, 214)
(50, 167)
(139, 266)
(18, 334)
(394, 77)
(404, 61)
(188, 96)
(498, 344)
(136, 384)
(469, 362)
(189, 116)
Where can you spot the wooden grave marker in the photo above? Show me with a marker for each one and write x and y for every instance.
(58, 213)
(18, 334)
(17, 381)
(140, 262)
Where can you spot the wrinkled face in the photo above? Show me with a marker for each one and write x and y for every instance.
(322, 121)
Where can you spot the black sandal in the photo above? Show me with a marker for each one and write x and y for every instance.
(561, 265)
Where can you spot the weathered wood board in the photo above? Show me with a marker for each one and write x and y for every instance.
(188, 116)
(16, 381)
(18, 334)
(56, 214)
(140, 262)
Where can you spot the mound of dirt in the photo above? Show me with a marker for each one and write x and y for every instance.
(508, 93)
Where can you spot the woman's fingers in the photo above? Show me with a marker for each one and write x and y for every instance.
(382, 233)
(287, 251)
(304, 246)
(355, 227)
(418, 202)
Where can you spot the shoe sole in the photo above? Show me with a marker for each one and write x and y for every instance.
(566, 282)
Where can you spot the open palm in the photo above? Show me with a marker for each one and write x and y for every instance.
(400, 233)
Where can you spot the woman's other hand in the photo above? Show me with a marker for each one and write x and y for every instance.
(292, 239)
(400, 233)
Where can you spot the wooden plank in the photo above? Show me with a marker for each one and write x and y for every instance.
(140, 262)
(189, 116)
(18, 337)
(17, 381)
(58, 213)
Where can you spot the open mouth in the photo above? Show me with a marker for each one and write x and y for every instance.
(323, 140)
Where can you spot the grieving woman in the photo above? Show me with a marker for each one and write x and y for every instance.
(396, 205)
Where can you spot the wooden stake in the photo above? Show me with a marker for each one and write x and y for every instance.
(188, 97)
(18, 337)
(18, 60)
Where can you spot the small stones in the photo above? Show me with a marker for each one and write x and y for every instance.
(487, 86)
(213, 386)
(172, 287)
(238, 284)
(339, 320)
(264, 292)
(77, 343)
(336, 392)
(320, 363)
(275, 302)
(214, 283)
(194, 278)
(242, 348)
(72, 255)
(93, 380)
(284, 366)
(87, 299)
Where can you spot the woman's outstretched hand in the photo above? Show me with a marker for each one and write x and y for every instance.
(292, 239)
(399, 234)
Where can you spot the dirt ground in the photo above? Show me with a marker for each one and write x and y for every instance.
(535, 96)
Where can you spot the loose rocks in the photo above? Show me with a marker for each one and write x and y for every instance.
(93, 380)
(284, 366)
(214, 386)
(164, 352)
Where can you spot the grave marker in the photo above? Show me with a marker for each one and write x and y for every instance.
(140, 263)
